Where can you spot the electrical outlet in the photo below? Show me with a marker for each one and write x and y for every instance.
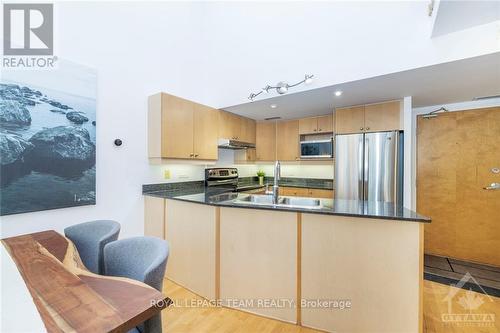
(166, 174)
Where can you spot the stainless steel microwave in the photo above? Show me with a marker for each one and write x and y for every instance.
(316, 148)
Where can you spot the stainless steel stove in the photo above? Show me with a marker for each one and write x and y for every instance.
(222, 184)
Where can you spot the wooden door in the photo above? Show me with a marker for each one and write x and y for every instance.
(229, 125)
(325, 124)
(176, 127)
(308, 125)
(456, 156)
(247, 130)
(287, 140)
(383, 117)
(350, 120)
(265, 141)
(205, 132)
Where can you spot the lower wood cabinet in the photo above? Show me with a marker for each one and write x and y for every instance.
(294, 191)
(245, 256)
(248, 271)
(320, 193)
(190, 230)
(350, 260)
(306, 192)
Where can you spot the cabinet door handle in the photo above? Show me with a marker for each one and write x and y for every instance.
(361, 128)
(367, 128)
(315, 130)
(196, 155)
(320, 130)
(191, 155)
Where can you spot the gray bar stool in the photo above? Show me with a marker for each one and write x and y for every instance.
(90, 239)
(143, 259)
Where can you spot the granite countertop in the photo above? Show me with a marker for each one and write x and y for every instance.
(354, 208)
(323, 184)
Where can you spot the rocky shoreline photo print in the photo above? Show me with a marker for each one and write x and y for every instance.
(47, 139)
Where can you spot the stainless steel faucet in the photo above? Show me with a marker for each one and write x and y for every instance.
(277, 176)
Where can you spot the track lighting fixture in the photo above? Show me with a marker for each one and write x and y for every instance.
(281, 87)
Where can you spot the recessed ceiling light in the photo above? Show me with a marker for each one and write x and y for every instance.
(273, 106)
(338, 93)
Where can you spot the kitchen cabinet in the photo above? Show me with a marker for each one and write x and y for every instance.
(205, 132)
(320, 193)
(293, 191)
(265, 141)
(191, 233)
(232, 126)
(382, 116)
(325, 124)
(181, 129)
(245, 155)
(368, 118)
(306, 192)
(287, 140)
(314, 125)
(350, 120)
(247, 130)
(229, 125)
(308, 125)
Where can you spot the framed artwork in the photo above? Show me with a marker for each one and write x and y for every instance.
(47, 138)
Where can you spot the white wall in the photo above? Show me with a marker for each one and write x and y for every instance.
(253, 44)
(216, 53)
(137, 50)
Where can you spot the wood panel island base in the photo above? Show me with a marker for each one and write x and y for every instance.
(330, 272)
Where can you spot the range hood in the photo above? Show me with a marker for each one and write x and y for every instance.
(234, 144)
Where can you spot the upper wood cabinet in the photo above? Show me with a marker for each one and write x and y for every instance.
(382, 116)
(205, 132)
(368, 118)
(265, 141)
(287, 140)
(350, 120)
(229, 125)
(313, 125)
(247, 130)
(325, 123)
(232, 126)
(308, 125)
(178, 128)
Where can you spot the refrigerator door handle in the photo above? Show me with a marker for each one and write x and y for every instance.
(360, 168)
(366, 170)
(396, 168)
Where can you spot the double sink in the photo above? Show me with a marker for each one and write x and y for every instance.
(292, 202)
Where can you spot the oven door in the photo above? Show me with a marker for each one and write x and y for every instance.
(316, 149)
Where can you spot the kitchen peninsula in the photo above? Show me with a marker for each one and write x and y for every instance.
(225, 248)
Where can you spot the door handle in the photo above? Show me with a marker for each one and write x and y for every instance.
(493, 186)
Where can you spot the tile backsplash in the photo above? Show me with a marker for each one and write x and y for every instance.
(188, 172)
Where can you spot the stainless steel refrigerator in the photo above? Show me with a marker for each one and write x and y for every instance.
(369, 167)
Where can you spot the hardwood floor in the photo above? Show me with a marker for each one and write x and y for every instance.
(184, 316)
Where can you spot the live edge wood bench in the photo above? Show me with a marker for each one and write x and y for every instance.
(68, 297)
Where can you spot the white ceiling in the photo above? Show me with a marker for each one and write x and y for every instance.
(455, 15)
(450, 82)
